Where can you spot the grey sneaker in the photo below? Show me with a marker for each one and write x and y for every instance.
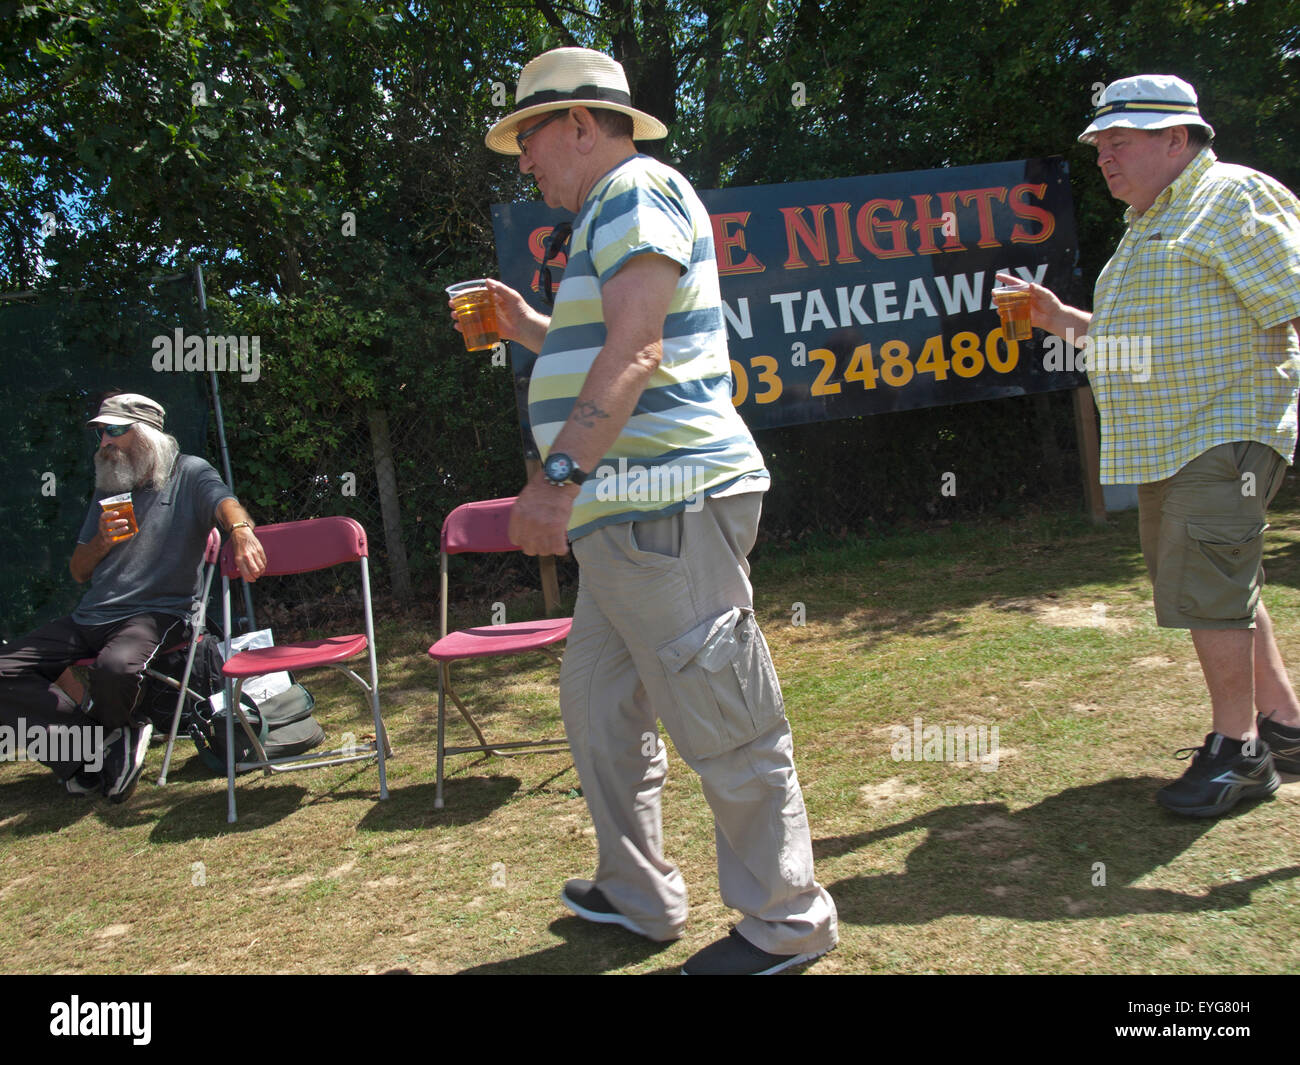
(1283, 741)
(124, 753)
(737, 956)
(587, 900)
(1216, 780)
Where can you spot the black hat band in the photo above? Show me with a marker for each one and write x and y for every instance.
(582, 92)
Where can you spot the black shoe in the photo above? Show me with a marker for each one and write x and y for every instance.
(737, 956)
(1217, 779)
(587, 900)
(1283, 741)
(124, 753)
(84, 782)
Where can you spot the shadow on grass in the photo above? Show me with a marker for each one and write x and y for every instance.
(265, 803)
(467, 800)
(204, 816)
(1040, 863)
(484, 685)
(588, 949)
(41, 805)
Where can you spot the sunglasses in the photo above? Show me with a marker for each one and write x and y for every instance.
(112, 430)
(521, 137)
(555, 244)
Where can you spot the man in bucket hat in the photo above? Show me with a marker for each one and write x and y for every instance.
(142, 586)
(633, 380)
(1208, 273)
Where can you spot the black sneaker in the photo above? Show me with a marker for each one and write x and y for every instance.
(1283, 741)
(737, 956)
(1217, 780)
(84, 782)
(587, 900)
(124, 753)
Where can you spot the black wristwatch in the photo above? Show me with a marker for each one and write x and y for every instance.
(559, 470)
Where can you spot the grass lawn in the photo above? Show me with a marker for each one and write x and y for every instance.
(1055, 859)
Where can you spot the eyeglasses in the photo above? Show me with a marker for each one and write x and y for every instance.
(112, 430)
(521, 137)
(555, 244)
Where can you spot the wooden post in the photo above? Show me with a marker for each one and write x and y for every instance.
(546, 564)
(1085, 428)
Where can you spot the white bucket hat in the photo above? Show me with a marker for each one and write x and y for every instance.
(565, 77)
(1148, 101)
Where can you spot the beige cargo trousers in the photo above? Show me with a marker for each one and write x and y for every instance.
(664, 629)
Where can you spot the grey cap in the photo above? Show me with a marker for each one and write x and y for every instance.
(127, 409)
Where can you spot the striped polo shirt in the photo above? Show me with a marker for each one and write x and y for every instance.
(684, 440)
(1198, 296)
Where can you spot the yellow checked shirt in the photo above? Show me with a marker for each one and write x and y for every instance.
(1190, 341)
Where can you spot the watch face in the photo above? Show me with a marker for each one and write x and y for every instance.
(558, 467)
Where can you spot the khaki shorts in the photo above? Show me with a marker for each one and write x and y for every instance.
(1202, 533)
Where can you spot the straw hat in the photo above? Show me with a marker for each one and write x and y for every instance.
(1148, 101)
(562, 78)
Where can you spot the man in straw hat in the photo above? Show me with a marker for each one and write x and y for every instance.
(656, 481)
(1207, 274)
(142, 587)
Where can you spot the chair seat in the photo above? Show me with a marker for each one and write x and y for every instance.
(293, 656)
(513, 638)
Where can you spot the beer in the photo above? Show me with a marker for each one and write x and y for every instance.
(125, 509)
(472, 306)
(1013, 309)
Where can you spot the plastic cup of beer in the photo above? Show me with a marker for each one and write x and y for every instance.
(472, 306)
(1012, 302)
(125, 509)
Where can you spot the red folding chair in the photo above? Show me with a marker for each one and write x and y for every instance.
(302, 547)
(197, 626)
(482, 528)
(198, 623)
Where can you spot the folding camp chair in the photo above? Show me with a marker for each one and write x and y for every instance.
(301, 547)
(481, 528)
(197, 627)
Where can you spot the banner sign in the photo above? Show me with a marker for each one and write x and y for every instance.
(861, 295)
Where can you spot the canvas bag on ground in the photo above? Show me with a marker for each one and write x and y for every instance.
(283, 724)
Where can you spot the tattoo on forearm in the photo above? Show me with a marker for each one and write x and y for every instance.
(585, 413)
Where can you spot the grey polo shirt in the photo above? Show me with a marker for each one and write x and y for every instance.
(158, 569)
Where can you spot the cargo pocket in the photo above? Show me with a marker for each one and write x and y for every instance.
(723, 685)
(1219, 573)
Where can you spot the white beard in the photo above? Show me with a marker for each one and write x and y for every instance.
(141, 467)
(117, 472)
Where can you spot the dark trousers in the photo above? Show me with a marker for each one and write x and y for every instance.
(30, 666)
